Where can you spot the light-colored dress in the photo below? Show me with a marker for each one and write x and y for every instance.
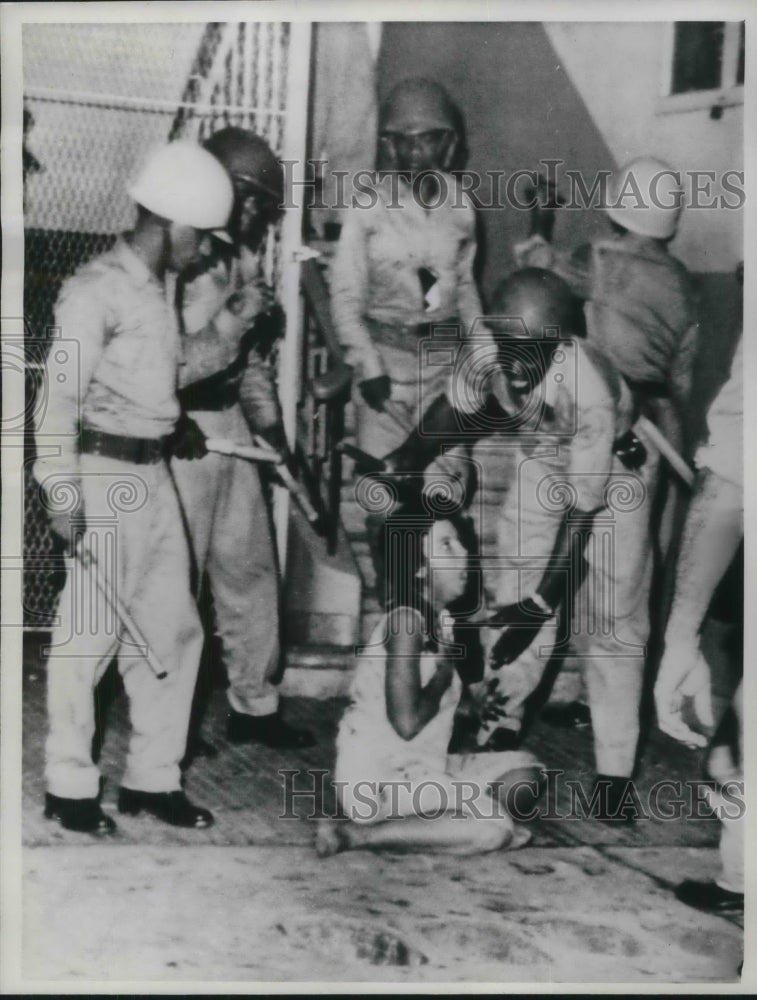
(379, 775)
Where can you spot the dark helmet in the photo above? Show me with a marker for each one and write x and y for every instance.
(419, 105)
(414, 108)
(248, 158)
(531, 310)
(532, 302)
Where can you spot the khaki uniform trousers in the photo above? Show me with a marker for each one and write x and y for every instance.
(231, 531)
(610, 622)
(134, 529)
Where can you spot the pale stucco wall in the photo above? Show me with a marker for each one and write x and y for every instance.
(620, 71)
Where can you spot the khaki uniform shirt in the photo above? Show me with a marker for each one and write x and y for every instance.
(374, 276)
(117, 373)
(586, 407)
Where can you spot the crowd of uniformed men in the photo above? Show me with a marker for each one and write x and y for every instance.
(583, 359)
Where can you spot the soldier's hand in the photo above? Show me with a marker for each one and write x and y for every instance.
(276, 439)
(402, 460)
(253, 299)
(488, 701)
(523, 622)
(534, 252)
(66, 524)
(376, 391)
(187, 440)
(683, 674)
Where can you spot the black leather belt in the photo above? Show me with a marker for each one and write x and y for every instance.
(139, 451)
(424, 330)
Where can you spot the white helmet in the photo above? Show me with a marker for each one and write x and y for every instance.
(646, 197)
(185, 183)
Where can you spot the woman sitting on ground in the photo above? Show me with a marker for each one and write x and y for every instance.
(397, 786)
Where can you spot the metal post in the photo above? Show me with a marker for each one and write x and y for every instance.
(293, 148)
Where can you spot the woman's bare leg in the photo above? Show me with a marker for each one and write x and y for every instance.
(445, 834)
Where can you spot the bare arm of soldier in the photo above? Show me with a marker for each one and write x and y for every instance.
(213, 348)
(260, 401)
(215, 316)
(573, 266)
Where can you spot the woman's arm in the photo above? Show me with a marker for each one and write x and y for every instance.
(409, 706)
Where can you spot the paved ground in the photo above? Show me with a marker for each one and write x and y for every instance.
(274, 913)
(249, 900)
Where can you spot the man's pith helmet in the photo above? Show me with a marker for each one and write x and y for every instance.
(183, 183)
(646, 197)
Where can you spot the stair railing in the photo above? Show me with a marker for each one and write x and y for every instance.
(326, 386)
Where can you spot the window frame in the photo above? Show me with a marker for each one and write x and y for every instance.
(728, 94)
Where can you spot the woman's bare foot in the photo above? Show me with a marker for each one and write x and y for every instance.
(330, 837)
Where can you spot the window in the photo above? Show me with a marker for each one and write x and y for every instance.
(704, 67)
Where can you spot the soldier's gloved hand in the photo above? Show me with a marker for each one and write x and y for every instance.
(187, 440)
(488, 701)
(409, 457)
(522, 622)
(630, 450)
(376, 391)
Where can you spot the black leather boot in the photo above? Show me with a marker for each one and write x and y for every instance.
(83, 815)
(170, 807)
(271, 730)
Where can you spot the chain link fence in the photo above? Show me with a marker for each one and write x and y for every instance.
(98, 99)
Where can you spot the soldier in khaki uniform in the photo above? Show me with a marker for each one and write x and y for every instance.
(713, 532)
(228, 387)
(639, 297)
(111, 423)
(574, 541)
(640, 312)
(403, 274)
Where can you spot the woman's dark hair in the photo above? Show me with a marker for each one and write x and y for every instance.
(401, 546)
